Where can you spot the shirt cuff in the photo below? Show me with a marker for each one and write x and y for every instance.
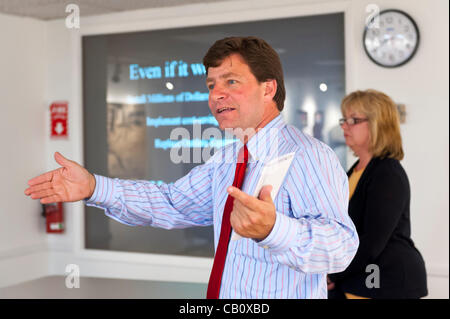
(103, 192)
(282, 236)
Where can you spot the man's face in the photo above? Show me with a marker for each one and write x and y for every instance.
(236, 98)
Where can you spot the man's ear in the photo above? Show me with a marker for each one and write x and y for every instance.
(270, 89)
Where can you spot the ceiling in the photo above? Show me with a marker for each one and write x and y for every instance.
(56, 9)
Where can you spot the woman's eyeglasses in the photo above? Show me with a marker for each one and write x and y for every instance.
(351, 121)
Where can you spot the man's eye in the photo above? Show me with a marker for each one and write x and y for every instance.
(231, 81)
(210, 86)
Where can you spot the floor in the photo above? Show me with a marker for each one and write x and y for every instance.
(54, 287)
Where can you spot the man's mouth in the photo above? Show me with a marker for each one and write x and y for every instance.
(224, 109)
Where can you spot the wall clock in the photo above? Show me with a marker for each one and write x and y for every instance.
(391, 39)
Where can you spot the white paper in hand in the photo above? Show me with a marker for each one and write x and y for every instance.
(273, 173)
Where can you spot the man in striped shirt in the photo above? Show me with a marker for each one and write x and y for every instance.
(290, 242)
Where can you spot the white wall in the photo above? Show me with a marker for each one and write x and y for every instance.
(422, 85)
(23, 76)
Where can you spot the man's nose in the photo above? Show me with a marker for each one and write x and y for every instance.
(217, 93)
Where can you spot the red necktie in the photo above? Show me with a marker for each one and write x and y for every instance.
(225, 231)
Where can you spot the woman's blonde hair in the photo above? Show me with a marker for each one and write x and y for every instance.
(384, 123)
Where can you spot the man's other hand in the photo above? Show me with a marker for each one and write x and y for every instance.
(252, 217)
(69, 183)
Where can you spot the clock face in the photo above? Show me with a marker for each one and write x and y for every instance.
(391, 39)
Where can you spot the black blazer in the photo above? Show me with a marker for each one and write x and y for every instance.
(379, 209)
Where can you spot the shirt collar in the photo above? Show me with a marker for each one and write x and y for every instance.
(264, 144)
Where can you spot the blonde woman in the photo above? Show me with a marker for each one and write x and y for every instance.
(387, 264)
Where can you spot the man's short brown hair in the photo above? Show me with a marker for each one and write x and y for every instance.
(261, 58)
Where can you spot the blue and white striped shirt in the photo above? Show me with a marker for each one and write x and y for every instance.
(312, 236)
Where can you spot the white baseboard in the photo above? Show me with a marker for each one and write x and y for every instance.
(437, 287)
(438, 270)
(134, 266)
(15, 269)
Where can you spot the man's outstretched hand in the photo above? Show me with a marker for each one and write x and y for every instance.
(69, 183)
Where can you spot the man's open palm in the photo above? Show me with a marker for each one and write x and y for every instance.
(69, 183)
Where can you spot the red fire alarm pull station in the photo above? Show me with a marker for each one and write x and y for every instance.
(54, 216)
(59, 114)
